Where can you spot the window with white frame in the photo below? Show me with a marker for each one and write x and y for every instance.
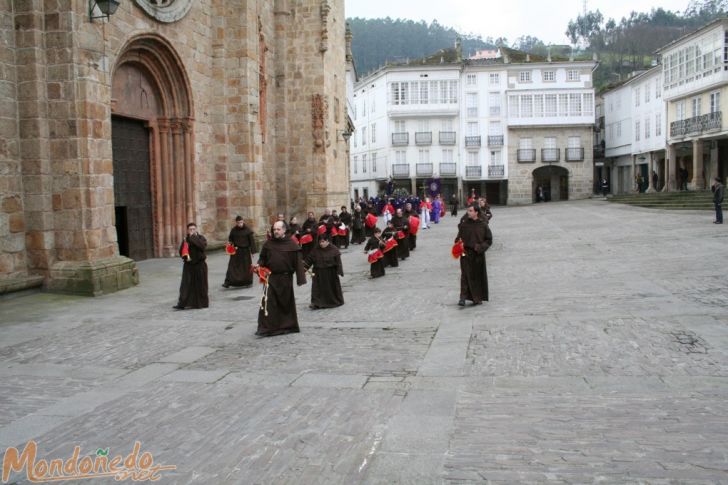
(364, 163)
(495, 128)
(363, 135)
(574, 104)
(588, 106)
(423, 125)
(573, 75)
(446, 124)
(471, 103)
(472, 157)
(494, 104)
(495, 157)
(574, 142)
(525, 143)
(715, 102)
(447, 155)
(524, 76)
(538, 105)
(513, 106)
(527, 106)
(658, 124)
(472, 128)
(374, 133)
(647, 93)
(374, 162)
(424, 155)
(549, 142)
(400, 126)
(637, 96)
(647, 128)
(680, 110)
(355, 163)
(494, 78)
(550, 105)
(636, 131)
(472, 79)
(549, 76)
(695, 106)
(400, 156)
(563, 104)
(424, 92)
(374, 104)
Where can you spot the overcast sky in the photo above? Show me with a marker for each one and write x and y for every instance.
(546, 20)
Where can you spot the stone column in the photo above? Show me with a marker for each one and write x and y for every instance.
(671, 185)
(650, 168)
(698, 182)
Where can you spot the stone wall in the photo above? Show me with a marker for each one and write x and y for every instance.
(520, 175)
(266, 87)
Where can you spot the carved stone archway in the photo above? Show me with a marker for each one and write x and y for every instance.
(149, 83)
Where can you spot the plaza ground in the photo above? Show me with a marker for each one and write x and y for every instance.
(602, 356)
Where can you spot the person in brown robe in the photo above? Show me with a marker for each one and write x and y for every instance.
(375, 242)
(325, 265)
(239, 267)
(193, 289)
(477, 238)
(277, 314)
(309, 228)
(391, 257)
(401, 224)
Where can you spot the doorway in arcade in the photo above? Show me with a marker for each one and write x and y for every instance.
(553, 180)
(496, 192)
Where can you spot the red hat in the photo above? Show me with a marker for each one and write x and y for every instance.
(370, 220)
(306, 239)
(458, 249)
(230, 249)
(321, 229)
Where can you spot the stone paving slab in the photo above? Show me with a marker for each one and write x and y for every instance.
(601, 357)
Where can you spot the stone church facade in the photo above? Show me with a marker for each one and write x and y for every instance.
(115, 133)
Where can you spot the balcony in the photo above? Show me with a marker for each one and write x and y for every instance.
(424, 169)
(495, 140)
(526, 155)
(400, 170)
(473, 172)
(448, 169)
(697, 125)
(472, 141)
(574, 154)
(423, 138)
(495, 171)
(400, 139)
(550, 154)
(447, 138)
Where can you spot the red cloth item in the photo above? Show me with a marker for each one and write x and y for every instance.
(401, 235)
(370, 220)
(334, 231)
(321, 229)
(306, 239)
(458, 249)
(375, 255)
(294, 238)
(389, 208)
(414, 225)
(185, 251)
(230, 249)
(389, 245)
(263, 274)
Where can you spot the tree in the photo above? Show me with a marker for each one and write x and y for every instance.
(585, 28)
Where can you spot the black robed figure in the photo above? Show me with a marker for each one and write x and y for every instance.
(325, 264)
(477, 238)
(401, 224)
(282, 257)
(375, 243)
(239, 267)
(193, 289)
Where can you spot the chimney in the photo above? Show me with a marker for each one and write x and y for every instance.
(348, 36)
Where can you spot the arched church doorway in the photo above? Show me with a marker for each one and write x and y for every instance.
(553, 180)
(152, 146)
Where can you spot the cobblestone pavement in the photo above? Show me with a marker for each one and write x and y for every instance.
(601, 357)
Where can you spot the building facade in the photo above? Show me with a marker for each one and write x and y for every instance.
(464, 124)
(118, 131)
(695, 82)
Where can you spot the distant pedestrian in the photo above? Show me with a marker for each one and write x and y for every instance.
(454, 205)
(655, 180)
(193, 289)
(242, 246)
(605, 187)
(477, 238)
(718, 194)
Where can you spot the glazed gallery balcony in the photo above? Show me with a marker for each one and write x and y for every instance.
(423, 138)
(697, 125)
(550, 154)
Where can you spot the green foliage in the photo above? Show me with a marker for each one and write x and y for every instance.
(378, 41)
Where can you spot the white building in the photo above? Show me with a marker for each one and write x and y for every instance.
(636, 121)
(465, 123)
